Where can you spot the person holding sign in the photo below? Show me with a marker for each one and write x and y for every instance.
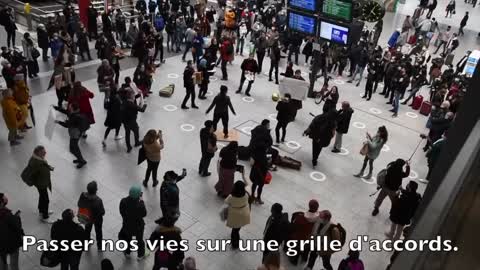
(249, 68)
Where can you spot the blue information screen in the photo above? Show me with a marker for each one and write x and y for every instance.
(301, 23)
(334, 33)
(310, 5)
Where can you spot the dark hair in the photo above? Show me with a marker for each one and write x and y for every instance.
(128, 80)
(265, 122)
(67, 215)
(107, 264)
(413, 186)
(208, 123)
(383, 133)
(238, 189)
(1, 198)
(92, 187)
(277, 209)
(272, 259)
(223, 89)
(354, 254)
(287, 95)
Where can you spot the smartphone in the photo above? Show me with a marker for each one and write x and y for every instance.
(239, 168)
(184, 171)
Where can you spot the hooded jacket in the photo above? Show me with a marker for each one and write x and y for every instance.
(70, 231)
(133, 211)
(404, 207)
(11, 231)
(93, 203)
(170, 195)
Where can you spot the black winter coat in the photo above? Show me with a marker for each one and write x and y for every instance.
(42, 37)
(343, 120)
(70, 231)
(133, 211)
(11, 231)
(404, 207)
(261, 138)
(188, 77)
(167, 234)
(259, 169)
(276, 228)
(205, 138)
(114, 112)
(93, 203)
(286, 112)
(394, 176)
(322, 128)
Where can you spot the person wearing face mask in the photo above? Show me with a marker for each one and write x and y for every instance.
(189, 85)
(11, 235)
(249, 68)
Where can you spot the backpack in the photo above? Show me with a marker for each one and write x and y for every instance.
(230, 49)
(159, 23)
(84, 215)
(27, 176)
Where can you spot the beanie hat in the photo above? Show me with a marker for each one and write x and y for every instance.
(313, 206)
(92, 187)
(135, 192)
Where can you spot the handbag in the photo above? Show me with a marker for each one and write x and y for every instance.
(224, 213)
(142, 156)
(35, 53)
(364, 149)
(50, 258)
(268, 178)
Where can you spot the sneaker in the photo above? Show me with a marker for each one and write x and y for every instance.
(335, 150)
(238, 91)
(155, 183)
(375, 211)
(206, 174)
(119, 137)
(247, 94)
(368, 176)
(47, 220)
(145, 183)
(81, 164)
(394, 115)
(195, 106)
(259, 201)
(129, 149)
(185, 108)
(104, 144)
(358, 174)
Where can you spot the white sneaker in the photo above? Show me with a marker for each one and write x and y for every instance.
(119, 137)
(47, 220)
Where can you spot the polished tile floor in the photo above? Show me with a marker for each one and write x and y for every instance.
(331, 182)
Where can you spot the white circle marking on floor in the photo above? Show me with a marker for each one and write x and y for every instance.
(385, 148)
(413, 174)
(344, 151)
(370, 181)
(187, 127)
(338, 81)
(293, 145)
(411, 114)
(375, 111)
(170, 108)
(173, 76)
(318, 176)
(247, 130)
(248, 99)
(359, 125)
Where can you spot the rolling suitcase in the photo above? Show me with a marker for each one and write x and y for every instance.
(167, 91)
(449, 59)
(417, 102)
(426, 108)
(289, 162)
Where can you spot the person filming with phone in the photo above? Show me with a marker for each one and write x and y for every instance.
(170, 195)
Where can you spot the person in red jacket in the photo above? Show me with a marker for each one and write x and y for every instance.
(82, 96)
(226, 54)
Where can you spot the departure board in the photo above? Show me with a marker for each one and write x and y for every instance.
(337, 9)
(302, 23)
(307, 5)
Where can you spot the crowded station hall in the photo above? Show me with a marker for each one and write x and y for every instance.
(230, 104)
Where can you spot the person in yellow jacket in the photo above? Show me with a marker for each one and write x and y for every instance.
(22, 98)
(10, 113)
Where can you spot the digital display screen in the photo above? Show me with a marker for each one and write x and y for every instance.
(302, 23)
(338, 9)
(310, 5)
(334, 33)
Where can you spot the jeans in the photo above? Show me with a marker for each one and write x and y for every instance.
(107, 131)
(273, 65)
(152, 168)
(13, 261)
(75, 149)
(235, 237)
(260, 56)
(364, 166)
(412, 94)
(224, 117)
(10, 38)
(325, 259)
(242, 81)
(359, 70)
(240, 43)
(190, 94)
(188, 47)
(338, 140)
(131, 126)
(43, 202)
(384, 192)
(139, 237)
(283, 126)
(396, 102)
(224, 69)
(316, 149)
(98, 230)
(204, 163)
